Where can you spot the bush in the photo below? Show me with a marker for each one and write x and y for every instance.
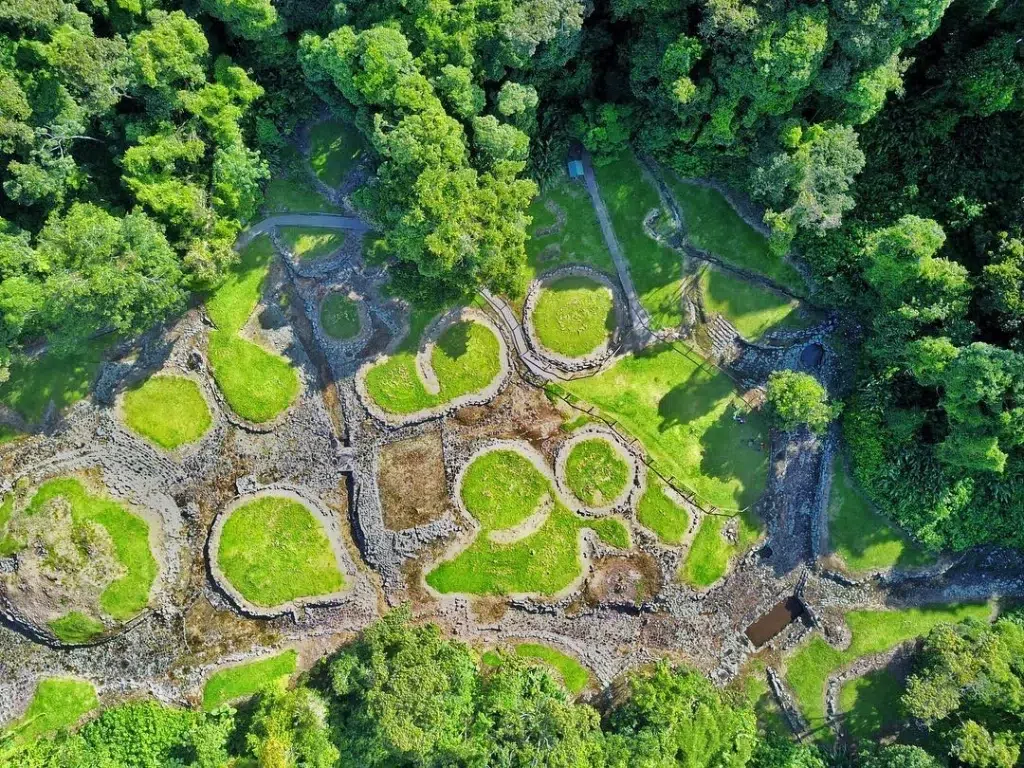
(798, 398)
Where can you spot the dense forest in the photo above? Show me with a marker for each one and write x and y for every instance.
(882, 139)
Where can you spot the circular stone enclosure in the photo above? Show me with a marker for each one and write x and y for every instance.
(85, 562)
(572, 316)
(596, 470)
(168, 410)
(340, 317)
(274, 550)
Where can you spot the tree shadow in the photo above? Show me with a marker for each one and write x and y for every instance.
(729, 450)
(690, 400)
(454, 342)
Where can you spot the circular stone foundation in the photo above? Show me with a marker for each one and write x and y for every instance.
(340, 317)
(277, 549)
(595, 471)
(85, 563)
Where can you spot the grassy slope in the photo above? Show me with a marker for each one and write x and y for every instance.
(579, 242)
(595, 472)
(334, 149)
(244, 680)
(339, 316)
(65, 379)
(683, 416)
(656, 270)
(873, 632)
(168, 410)
(58, 703)
(573, 316)
(292, 191)
(713, 225)
(123, 598)
(660, 514)
(871, 703)
(466, 359)
(310, 243)
(573, 674)
(273, 550)
(235, 298)
(860, 536)
(753, 309)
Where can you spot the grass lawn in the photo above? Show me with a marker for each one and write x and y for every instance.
(808, 669)
(752, 308)
(8, 434)
(579, 241)
(248, 679)
(656, 270)
(683, 415)
(501, 491)
(574, 316)
(76, 627)
(233, 301)
(124, 597)
(339, 317)
(660, 514)
(503, 504)
(292, 191)
(465, 359)
(168, 410)
(709, 555)
(64, 379)
(595, 472)
(258, 385)
(58, 703)
(274, 550)
(871, 703)
(573, 674)
(334, 148)
(310, 243)
(714, 226)
(860, 536)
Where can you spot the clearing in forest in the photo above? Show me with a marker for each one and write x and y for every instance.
(503, 489)
(92, 552)
(864, 539)
(809, 668)
(596, 472)
(257, 384)
(335, 147)
(170, 411)
(291, 190)
(274, 550)
(465, 359)
(311, 243)
(574, 316)
(247, 679)
(58, 703)
(339, 316)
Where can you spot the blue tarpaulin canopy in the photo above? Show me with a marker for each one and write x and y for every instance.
(575, 169)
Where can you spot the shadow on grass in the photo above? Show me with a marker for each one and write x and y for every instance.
(691, 400)
(454, 342)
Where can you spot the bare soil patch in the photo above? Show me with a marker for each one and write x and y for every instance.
(413, 488)
(521, 412)
(633, 578)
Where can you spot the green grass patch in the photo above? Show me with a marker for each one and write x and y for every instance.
(339, 316)
(752, 308)
(76, 627)
(578, 241)
(491, 658)
(233, 301)
(871, 703)
(258, 385)
(752, 686)
(501, 488)
(465, 359)
(683, 415)
(661, 514)
(656, 269)
(714, 226)
(574, 316)
(124, 597)
(274, 550)
(168, 410)
(8, 434)
(709, 555)
(872, 632)
(505, 503)
(311, 243)
(245, 680)
(58, 703)
(573, 674)
(860, 536)
(334, 149)
(64, 379)
(595, 471)
(291, 190)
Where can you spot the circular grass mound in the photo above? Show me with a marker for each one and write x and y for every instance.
(257, 385)
(339, 317)
(574, 316)
(85, 563)
(274, 550)
(167, 410)
(595, 472)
